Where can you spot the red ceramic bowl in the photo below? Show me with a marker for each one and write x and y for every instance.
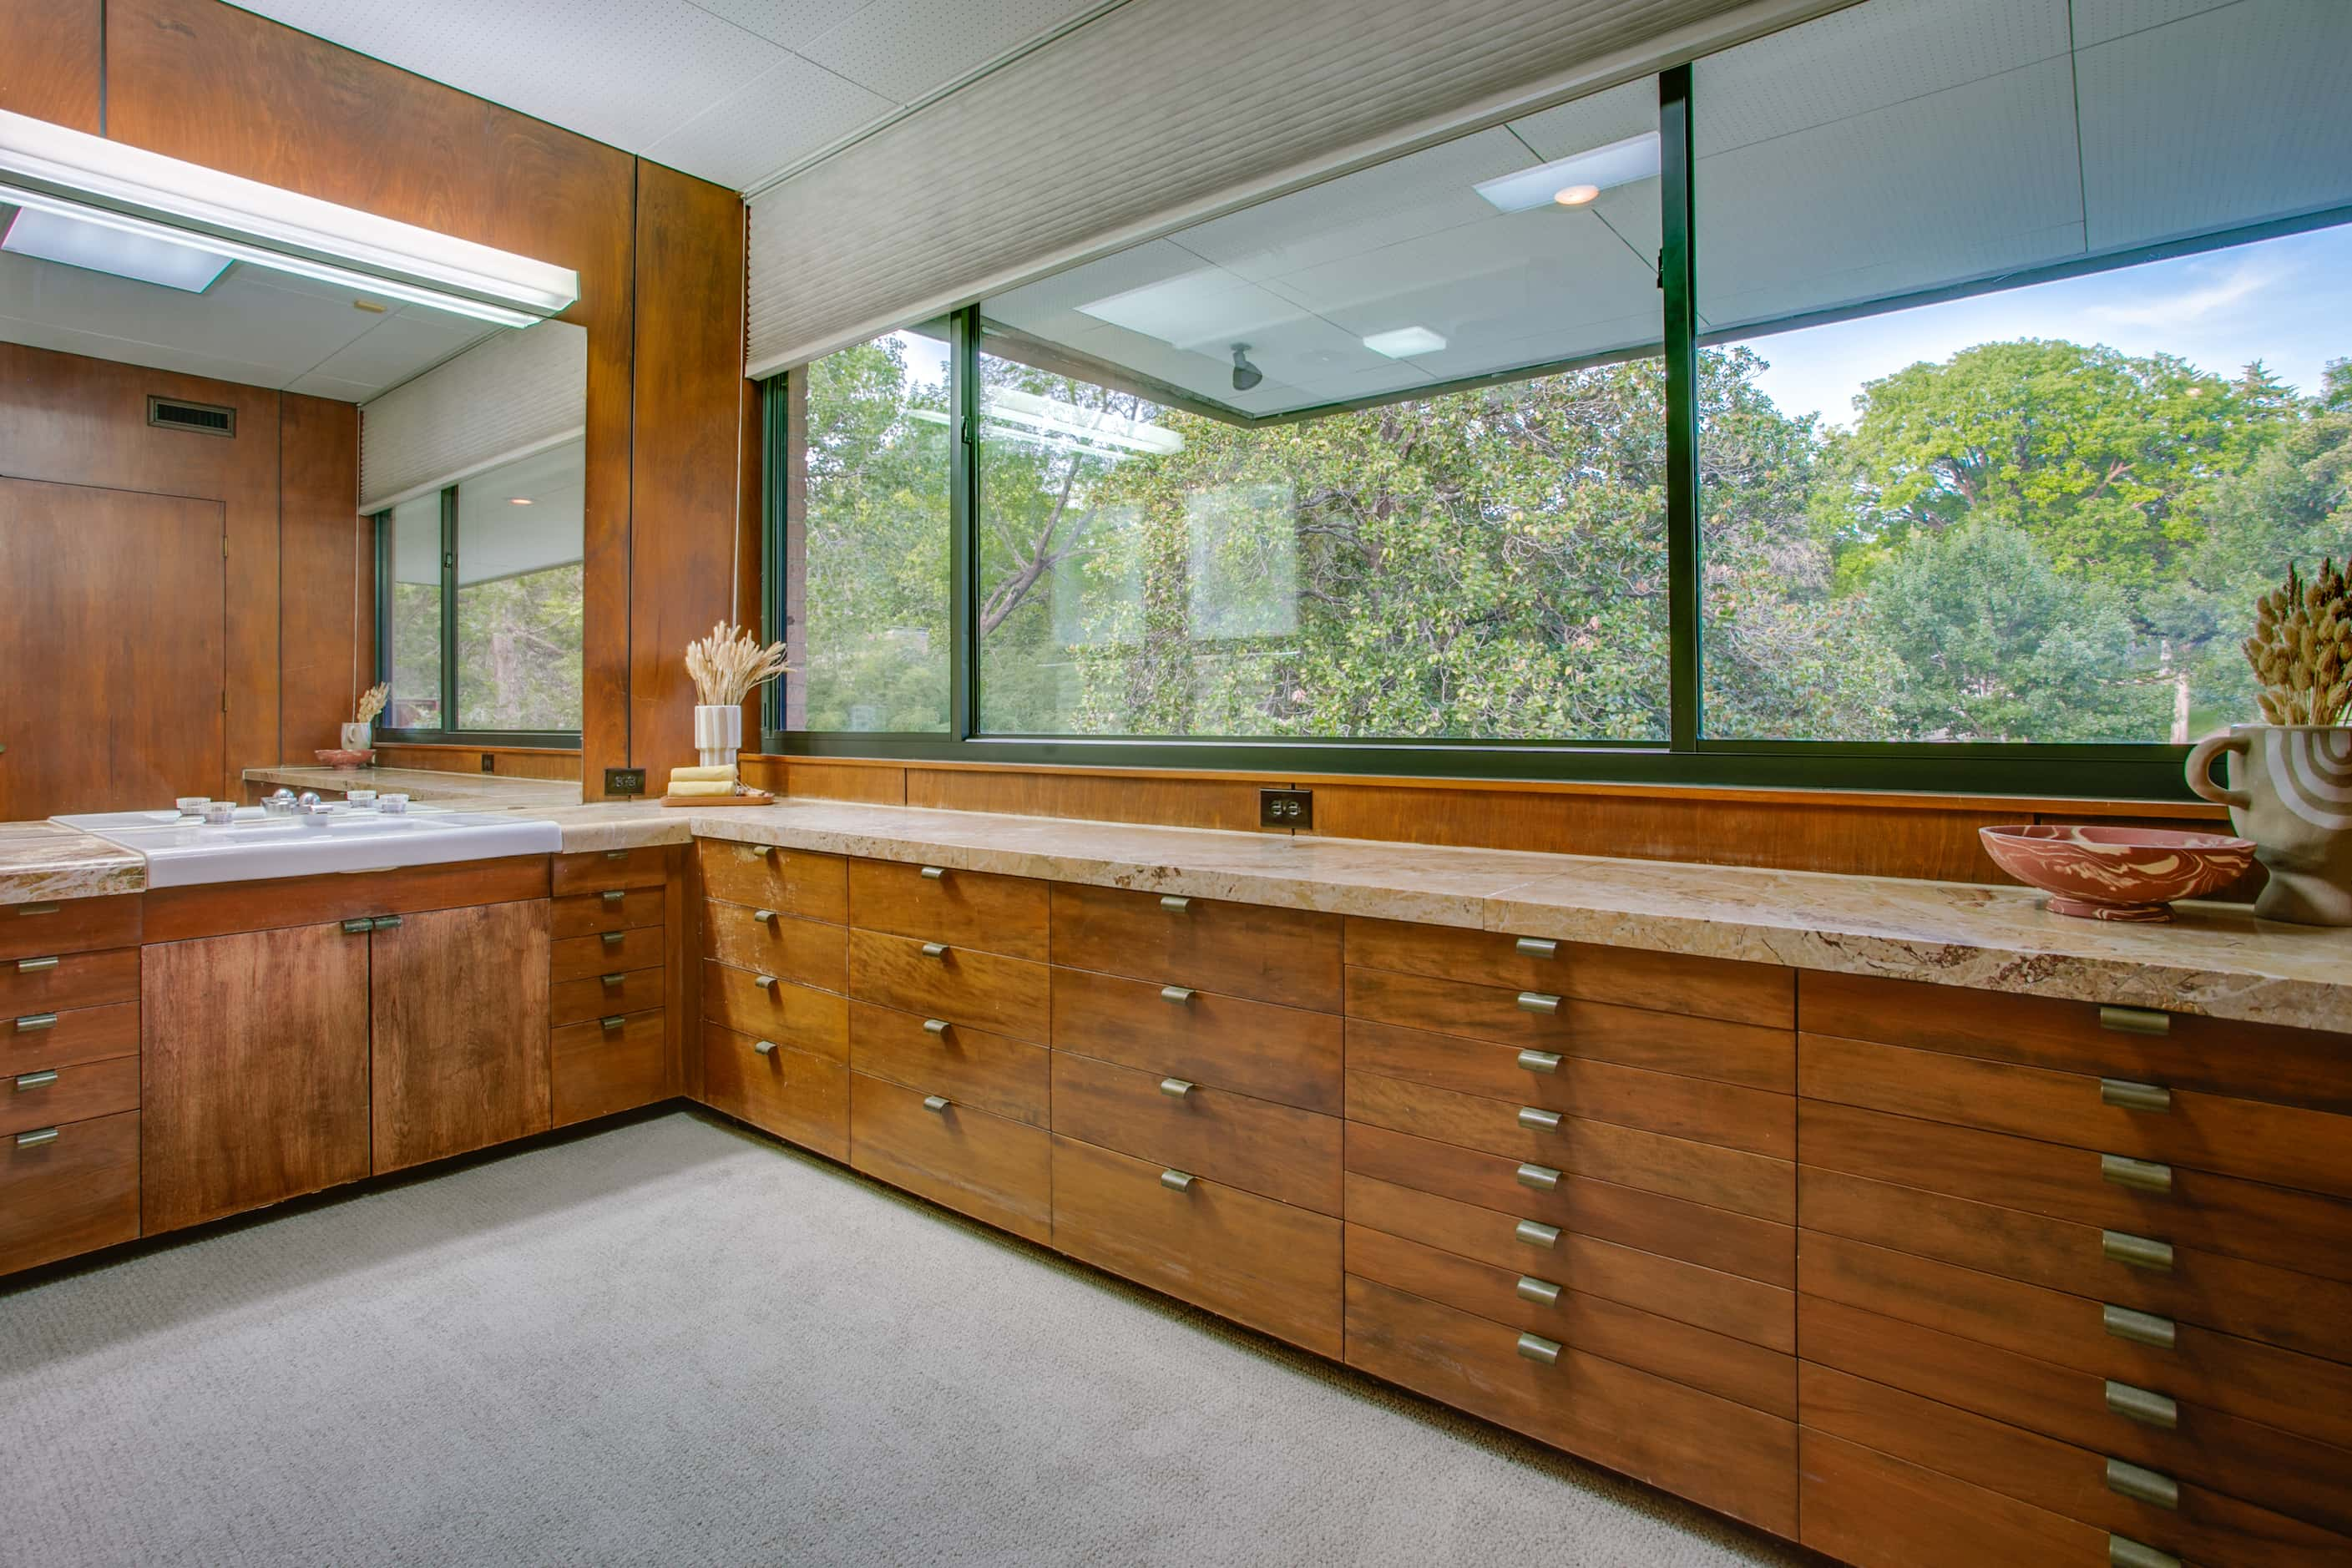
(335, 759)
(2117, 873)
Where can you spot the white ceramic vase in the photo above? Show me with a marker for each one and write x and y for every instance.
(718, 734)
(359, 737)
(2290, 791)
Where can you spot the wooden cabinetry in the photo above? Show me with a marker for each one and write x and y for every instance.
(458, 1016)
(774, 980)
(614, 975)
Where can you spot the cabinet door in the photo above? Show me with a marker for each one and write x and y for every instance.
(254, 1077)
(460, 1017)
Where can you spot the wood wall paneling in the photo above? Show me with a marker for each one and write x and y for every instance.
(326, 610)
(506, 762)
(1212, 801)
(54, 55)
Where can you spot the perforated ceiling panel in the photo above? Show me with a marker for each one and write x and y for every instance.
(508, 396)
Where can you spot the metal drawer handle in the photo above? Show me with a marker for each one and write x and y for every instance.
(2135, 1020)
(613, 895)
(384, 923)
(937, 1104)
(2126, 1095)
(1536, 1121)
(617, 854)
(1175, 905)
(1537, 1002)
(765, 982)
(1539, 1061)
(764, 916)
(358, 927)
(764, 1047)
(1542, 1178)
(2144, 1405)
(38, 1136)
(1536, 947)
(2135, 1251)
(32, 1022)
(34, 908)
(2122, 1552)
(612, 979)
(2140, 1327)
(1536, 1348)
(1176, 1180)
(1175, 1087)
(935, 949)
(1535, 1233)
(935, 1026)
(612, 1022)
(1180, 995)
(28, 965)
(611, 937)
(934, 873)
(2142, 1485)
(2146, 1176)
(1542, 1292)
(41, 1079)
(752, 851)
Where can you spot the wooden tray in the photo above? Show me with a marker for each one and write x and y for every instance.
(749, 797)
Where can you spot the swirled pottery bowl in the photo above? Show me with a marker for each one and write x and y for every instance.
(2117, 873)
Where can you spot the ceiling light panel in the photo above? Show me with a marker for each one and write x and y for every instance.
(1619, 162)
(1404, 342)
(98, 248)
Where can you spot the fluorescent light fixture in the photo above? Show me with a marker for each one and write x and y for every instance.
(94, 247)
(70, 173)
(1619, 163)
(1404, 342)
(1048, 421)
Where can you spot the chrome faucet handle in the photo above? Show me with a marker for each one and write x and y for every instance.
(307, 802)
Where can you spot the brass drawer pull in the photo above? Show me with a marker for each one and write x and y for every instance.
(41, 1079)
(763, 1048)
(765, 982)
(1535, 1233)
(617, 854)
(1536, 947)
(1542, 1178)
(1542, 1292)
(31, 966)
(2146, 1176)
(2135, 1020)
(384, 923)
(764, 916)
(935, 873)
(612, 938)
(1175, 1087)
(937, 1104)
(360, 926)
(33, 1023)
(1175, 905)
(935, 1026)
(2140, 1327)
(935, 949)
(34, 908)
(2144, 1405)
(1536, 1348)
(2122, 1552)
(1539, 1061)
(1537, 1002)
(1180, 995)
(2125, 1095)
(2142, 1485)
(752, 851)
(612, 1022)
(612, 979)
(2135, 1251)
(613, 895)
(1176, 1180)
(37, 1137)
(1539, 1120)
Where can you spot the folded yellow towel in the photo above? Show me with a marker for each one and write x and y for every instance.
(699, 786)
(723, 770)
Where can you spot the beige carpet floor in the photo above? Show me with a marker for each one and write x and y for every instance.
(671, 1342)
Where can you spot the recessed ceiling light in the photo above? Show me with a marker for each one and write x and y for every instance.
(1404, 342)
(1575, 195)
(1601, 168)
(145, 258)
(518, 500)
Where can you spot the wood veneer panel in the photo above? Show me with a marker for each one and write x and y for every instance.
(599, 870)
(1173, 800)
(68, 925)
(81, 1092)
(839, 781)
(797, 1095)
(605, 996)
(798, 1015)
(79, 1035)
(764, 876)
(55, 55)
(1666, 983)
(963, 985)
(507, 761)
(75, 980)
(458, 1013)
(989, 1167)
(1274, 1151)
(595, 1071)
(326, 629)
(967, 909)
(1286, 956)
(615, 908)
(808, 952)
(971, 1067)
(72, 1195)
(1286, 1054)
(1872, 1511)
(176, 914)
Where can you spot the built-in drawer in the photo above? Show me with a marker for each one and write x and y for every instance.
(2178, 1051)
(31, 1042)
(68, 925)
(1274, 1151)
(2191, 1521)
(54, 982)
(1761, 1122)
(1701, 1173)
(989, 1167)
(45, 1096)
(1744, 1054)
(971, 1067)
(594, 870)
(578, 957)
(799, 1096)
(605, 995)
(938, 903)
(1266, 1264)
(795, 882)
(1287, 956)
(959, 984)
(1661, 982)
(608, 1064)
(1717, 1452)
(2187, 1362)
(68, 1193)
(1284, 1054)
(2258, 1140)
(2286, 1472)
(1672, 1228)
(615, 909)
(767, 1008)
(1872, 1511)
(810, 953)
(1541, 1302)
(1721, 1303)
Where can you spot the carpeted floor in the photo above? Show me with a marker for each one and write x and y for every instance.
(670, 1342)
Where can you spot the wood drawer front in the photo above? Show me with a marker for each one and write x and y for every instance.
(1672, 1228)
(1287, 956)
(2214, 1056)
(2242, 1377)
(971, 1067)
(2067, 1481)
(75, 1035)
(52, 982)
(1700, 1173)
(1722, 1303)
(797, 1015)
(1716, 1364)
(2277, 1225)
(595, 1071)
(1284, 1054)
(966, 909)
(73, 1195)
(2256, 1300)
(795, 882)
(1724, 1454)
(604, 996)
(1872, 1511)
(799, 1096)
(49, 1096)
(1742, 1054)
(222, 909)
(994, 1169)
(1274, 1151)
(68, 925)
(1760, 1121)
(591, 914)
(581, 957)
(808, 952)
(2285, 1472)
(597, 869)
(2257, 1140)
(1266, 1264)
(961, 984)
(1662, 982)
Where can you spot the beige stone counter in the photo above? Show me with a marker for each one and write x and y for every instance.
(459, 792)
(40, 861)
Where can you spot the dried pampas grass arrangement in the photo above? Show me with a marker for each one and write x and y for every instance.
(2302, 649)
(729, 663)
(372, 702)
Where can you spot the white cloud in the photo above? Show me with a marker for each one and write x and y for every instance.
(2246, 279)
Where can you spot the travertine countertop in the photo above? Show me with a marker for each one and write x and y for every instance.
(40, 861)
(462, 791)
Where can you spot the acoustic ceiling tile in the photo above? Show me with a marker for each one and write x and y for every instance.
(1595, 119)
(903, 49)
(2102, 21)
(790, 23)
(790, 111)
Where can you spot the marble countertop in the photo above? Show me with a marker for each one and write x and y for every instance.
(468, 792)
(40, 861)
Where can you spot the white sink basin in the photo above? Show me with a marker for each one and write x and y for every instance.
(181, 852)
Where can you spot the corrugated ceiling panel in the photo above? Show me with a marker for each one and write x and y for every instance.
(508, 396)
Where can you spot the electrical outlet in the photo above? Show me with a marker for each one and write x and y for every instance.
(1286, 808)
(625, 781)
(489, 761)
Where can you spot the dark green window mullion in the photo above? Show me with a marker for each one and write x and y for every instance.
(1677, 282)
(449, 609)
(963, 524)
(771, 535)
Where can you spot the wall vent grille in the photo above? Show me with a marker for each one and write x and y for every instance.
(208, 418)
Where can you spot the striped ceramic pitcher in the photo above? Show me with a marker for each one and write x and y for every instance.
(2291, 793)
